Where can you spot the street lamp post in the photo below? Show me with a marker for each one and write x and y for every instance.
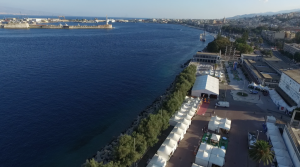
(257, 134)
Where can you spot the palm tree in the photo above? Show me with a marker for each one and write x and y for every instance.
(261, 151)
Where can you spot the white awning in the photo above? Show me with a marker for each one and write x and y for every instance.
(276, 139)
(178, 131)
(205, 84)
(218, 151)
(157, 161)
(279, 145)
(206, 147)
(182, 126)
(284, 161)
(213, 125)
(215, 137)
(171, 143)
(174, 136)
(281, 153)
(164, 151)
(202, 158)
(217, 160)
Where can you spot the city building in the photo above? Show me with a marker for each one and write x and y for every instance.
(272, 36)
(289, 87)
(291, 48)
(290, 34)
(205, 57)
(276, 64)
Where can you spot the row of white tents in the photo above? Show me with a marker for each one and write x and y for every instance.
(217, 123)
(181, 122)
(281, 154)
(277, 99)
(208, 155)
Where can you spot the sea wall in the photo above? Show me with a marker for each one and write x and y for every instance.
(16, 25)
(106, 26)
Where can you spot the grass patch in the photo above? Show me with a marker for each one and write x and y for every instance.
(242, 94)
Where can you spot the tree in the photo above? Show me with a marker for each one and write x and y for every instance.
(261, 151)
(260, 40)
(297, 37)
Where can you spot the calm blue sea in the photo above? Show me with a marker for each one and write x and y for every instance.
(65, 93)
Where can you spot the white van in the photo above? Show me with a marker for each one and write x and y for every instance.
(222, 104)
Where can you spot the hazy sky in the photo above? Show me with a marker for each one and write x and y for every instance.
(202, 9)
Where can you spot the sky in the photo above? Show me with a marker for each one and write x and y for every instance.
(189, 9)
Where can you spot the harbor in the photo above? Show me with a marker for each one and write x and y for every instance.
(60, 26)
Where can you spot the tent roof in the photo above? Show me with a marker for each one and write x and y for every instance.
(178, 131)
(207, 82)
(212, 125)
(218, 151)
(157, 161)
(271, 118)
(274, 132)
(215, 137)
(169, 142)
(174, 136)
(195, 165)
(181, 126)
(281, 153)
(206, 147)
(276, 139)
(278, 145)
(271, 126)
(185, 121)
(165, 150)
(223, 125)
(213, 118)
(217, 160)
(201, 154)
(284, 161)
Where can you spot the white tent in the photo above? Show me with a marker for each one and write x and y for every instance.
(191, 112)
(225, 124)
(178, 131)
(174, 136)
(281, 153)
(215, 118)
(279, 145)
(157, 161)
(171, 143)
(217, 160)
(276, 139)
(271, 119)
(205, 84)
(213, 125)
(165, 152)
(174, 120)
(283, 161)
(273, 132)
(206, 147)
(195, 165)
(276, 98)
(187, 116)
(218, 151)
(202, 158)
(215, 137)
(182, 126)
(271, 126)
(186, 121)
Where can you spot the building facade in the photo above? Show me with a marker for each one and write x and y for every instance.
(291, 48)
(204, 57)
(272, 36)
(290, 84)
(291, 138)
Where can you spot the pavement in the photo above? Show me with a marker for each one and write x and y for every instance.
(244, 117)
(252, 98)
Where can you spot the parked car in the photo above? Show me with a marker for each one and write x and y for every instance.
(222, 104)
(253, 91)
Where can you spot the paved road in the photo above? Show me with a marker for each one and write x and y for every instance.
(245, 117)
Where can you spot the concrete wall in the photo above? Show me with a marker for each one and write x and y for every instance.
(290, 87)
(290, 148)
(16, 25)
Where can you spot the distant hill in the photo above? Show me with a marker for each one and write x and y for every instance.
(264, 14)
(17, 11)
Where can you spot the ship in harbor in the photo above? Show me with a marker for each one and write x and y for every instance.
(202, 37)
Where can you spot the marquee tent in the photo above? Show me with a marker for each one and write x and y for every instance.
(271, 126)
(218, 151)
(271, 119)
(165, 152)
(182, 126)
(206, 147)
(277, 99)
(281, 153)
(174, 120)
(174, 136)
(202, 158)
(179, 132)
(284, 161)
(205, 84)
(157, 161)
(273, 132)
(215, 118)
(195, 165)
(276, 139)
(217, 160)
(171, 143)
(186, 121)
(213, 125)
(215, 137)
(279, 145)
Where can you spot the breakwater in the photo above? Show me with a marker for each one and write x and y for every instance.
(28, 26)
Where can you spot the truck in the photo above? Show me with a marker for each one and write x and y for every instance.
(222, 104)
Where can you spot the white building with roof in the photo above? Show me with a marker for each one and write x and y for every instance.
(206, 85)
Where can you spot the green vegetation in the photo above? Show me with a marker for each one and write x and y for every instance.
(242, 94)
(218, 44)
(241, 44)
(131, 148)
(267, 52)
(261, 151)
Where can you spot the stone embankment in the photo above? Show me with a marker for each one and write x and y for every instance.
(16, 25)
(105, 154)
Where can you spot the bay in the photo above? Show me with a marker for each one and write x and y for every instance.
(66, 93)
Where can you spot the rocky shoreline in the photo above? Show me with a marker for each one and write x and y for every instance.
(105, 154)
